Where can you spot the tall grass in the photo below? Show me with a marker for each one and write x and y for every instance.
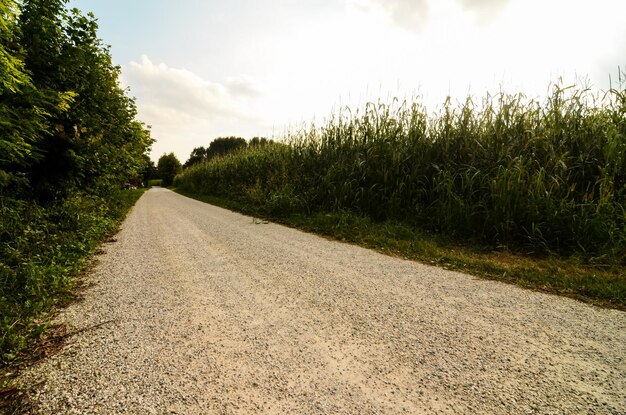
(538, 175)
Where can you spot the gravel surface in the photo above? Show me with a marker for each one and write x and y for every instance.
(198, 310)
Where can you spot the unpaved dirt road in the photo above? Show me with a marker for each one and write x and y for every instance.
(197, 310)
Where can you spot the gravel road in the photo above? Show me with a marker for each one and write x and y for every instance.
(198, 310)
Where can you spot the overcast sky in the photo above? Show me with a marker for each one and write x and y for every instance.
(201, 69)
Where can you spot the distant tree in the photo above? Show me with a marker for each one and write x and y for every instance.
(224, 145)
(259, 141)
(168, 167)
(198, 154)
(149, 170)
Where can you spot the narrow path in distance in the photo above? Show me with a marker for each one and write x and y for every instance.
(206, 312)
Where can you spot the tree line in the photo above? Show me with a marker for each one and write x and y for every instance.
(168, 165)
(222, 146)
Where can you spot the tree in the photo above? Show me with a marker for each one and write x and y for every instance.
(91, 140)
(197, 155)
(65, 123)
(12, 75)
(224, 145)
(168, 167)
(40, 34)
(149, 171)
(218, 147)
(22, 119)
(259, 142)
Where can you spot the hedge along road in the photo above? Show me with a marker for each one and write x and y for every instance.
(198, 310)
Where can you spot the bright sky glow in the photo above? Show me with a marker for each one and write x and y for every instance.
(204, 69)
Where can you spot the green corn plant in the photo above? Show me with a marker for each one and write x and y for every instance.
(539, 175)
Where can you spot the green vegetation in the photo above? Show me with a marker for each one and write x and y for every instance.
(541, 178)
(220, 147)
(168, 167)
(69, 141)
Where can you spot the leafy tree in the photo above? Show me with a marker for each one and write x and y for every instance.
(197, 155)
(149, 171)
(224, 145)
(21, 117)
(12, 74)
(168, 167)
(40, 34)
(92, 141)
(218, 147)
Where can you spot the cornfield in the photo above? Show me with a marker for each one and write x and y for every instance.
(538, 175)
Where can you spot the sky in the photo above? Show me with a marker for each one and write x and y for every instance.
(202, 69)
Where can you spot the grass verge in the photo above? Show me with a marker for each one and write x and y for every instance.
(43, 253)
(599, 284)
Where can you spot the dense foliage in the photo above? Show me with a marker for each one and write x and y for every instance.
(218, 147)
(197, 155)
(540, 176)
(168, 167)
(68, 141)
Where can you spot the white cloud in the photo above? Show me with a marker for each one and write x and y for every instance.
(477, 45)
(187, 111)
(410, 14)
(415, 15)
(182, 91)
(484, 10)
(244, 87)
